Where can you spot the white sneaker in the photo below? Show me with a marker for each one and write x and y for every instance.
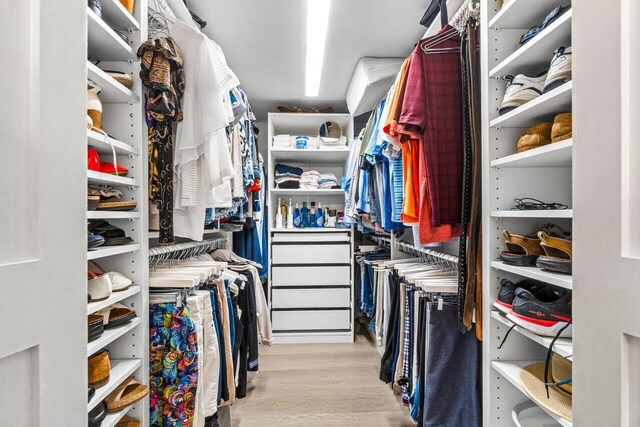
(521, 89)
(559, 70)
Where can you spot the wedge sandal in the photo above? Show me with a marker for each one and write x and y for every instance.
(126, 394)
(558, 254)
(95, 326)
(521, 250)
(99, 369)
(128, 422)
(116, 315)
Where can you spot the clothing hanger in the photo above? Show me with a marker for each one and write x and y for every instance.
(158, 19)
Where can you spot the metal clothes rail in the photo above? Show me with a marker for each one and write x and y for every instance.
(408, 248)
(188, 249)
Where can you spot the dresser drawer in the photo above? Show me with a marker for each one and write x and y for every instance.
(311, 276)
(310, 320)
(311, 298)
(310, 253)
(316, 236)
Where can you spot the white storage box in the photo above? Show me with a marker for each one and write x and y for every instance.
(370, 82)
(311, 298)
(310, 320)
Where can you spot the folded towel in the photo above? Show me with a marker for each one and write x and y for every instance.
(282, 143)
(289, 185)
(282, 138)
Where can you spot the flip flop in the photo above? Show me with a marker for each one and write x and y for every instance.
(116, 315)
(126, 394)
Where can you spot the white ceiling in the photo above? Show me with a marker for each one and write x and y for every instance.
(264, 42)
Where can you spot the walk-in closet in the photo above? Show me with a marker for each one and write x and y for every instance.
(319, 213)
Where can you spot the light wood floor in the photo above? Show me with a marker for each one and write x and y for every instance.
(320, 385)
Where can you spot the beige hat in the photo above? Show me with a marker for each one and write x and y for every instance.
(534, 137)
(559, 401)
(562, 127)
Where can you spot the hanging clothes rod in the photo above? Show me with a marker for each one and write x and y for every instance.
(180, 250)
(411, 249)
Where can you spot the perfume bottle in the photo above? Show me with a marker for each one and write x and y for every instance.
(305, 214)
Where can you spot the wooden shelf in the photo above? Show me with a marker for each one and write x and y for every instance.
(114, 13)
(536, 55)
(562, 346)
(309, 156)
(557, 154)
(112, 90)
(565, 213)
(106, 251)
(510, 370)
(113, 215)
(115, 297)
(104, 43)
(299, 192)
(110, 335)
(97, 141)
(523, 14)
(94, 177)
(120, 371)
(543, 108)
(558, 279)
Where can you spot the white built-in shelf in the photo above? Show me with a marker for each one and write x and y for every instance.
(115, 297)
(307, 123)
(557, 279)
(107, 179)
(106, 251)
(113, 215)
(104, 43)
(562, 346)
(98, 142)
(299, 192)
(557, 154)
(121, 369)
(523, 14)
(115, 14)
(112, 419)
(206, 232)
(110, 335)
(511, 370)
(310, 230)
(541, 109)
(551, 213)
(309, 156)
(536, 55)
(112, 90)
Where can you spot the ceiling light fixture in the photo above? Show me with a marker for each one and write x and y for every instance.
(317, 24)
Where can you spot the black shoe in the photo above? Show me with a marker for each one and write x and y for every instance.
(507, 292)
(545, 313)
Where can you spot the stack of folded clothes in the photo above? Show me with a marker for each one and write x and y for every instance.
(310, 180)
(288, 176)
(328, 180)
(282, 141)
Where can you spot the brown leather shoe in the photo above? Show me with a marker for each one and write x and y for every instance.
(99, 369)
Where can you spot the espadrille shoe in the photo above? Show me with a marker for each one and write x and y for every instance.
(562, 127)
(99, 369)
(126, 394)
(534, 137)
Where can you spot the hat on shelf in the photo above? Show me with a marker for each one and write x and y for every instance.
(121, 77)
(558, 399)
(562, 127)
(534, 137)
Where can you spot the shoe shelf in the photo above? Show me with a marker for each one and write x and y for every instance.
(100, 178)
(557, 154)
(117, 16)
(309, 156)
(104, 43)
(113, 215)
(300, 192)
(558, 279)
(551, 213)
(523, 14)
(120, 371)
(535, 56)
(110, 335)
(97, 141)
(112, 90)
(112, 419)
(115, 297)
(510, 370)
(541, 109)
(562, 346)
(107, 251)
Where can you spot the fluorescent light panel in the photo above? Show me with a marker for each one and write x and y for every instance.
(317, 24)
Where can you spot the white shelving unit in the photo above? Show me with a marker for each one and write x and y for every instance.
(544, 173)
(310, 295)
(123, 119)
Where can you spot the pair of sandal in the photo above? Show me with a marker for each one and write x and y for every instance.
(112, 235)
(545, 249)
(102, 284)
(107, 198)
(107, 318)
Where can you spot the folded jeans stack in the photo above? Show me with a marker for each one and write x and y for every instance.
(288, 176)
(282, 141)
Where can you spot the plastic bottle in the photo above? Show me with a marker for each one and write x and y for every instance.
(297, 218)
(305, 214)
(320, 216)
(312, 215)
(290, 216)
(279, 216)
